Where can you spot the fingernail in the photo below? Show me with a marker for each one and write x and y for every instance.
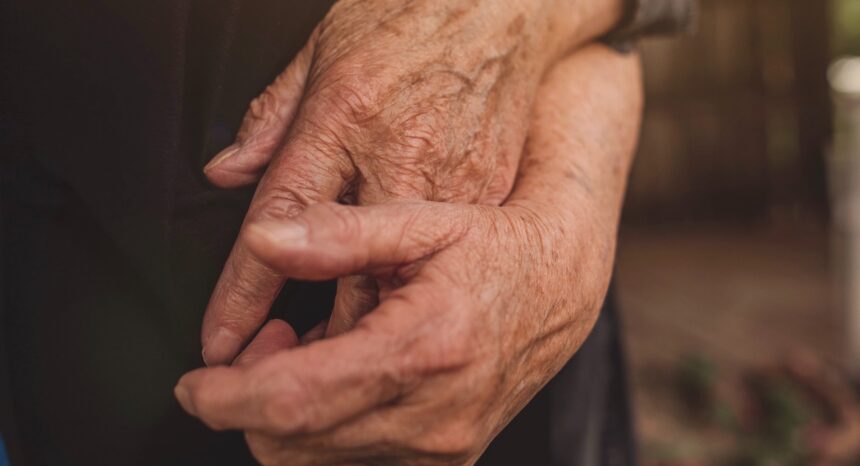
(221, 347)
(184, 398)
(287, 232)
(222, 156)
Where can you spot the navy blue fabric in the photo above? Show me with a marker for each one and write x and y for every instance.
(4, 458)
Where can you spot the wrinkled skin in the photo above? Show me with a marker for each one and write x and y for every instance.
(390, 99)
(479, 306)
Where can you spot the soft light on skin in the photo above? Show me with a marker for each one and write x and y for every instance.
(484, 304)
(385, 103)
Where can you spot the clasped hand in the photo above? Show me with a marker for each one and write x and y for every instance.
(477, 306)
(389, 100)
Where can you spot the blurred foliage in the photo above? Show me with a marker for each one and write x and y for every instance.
(846, 25)
(697, 376)
(774, 436)
(766, 426)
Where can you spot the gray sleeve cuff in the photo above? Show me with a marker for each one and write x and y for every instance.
(654, 17)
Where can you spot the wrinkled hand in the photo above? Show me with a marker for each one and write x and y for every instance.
(428, 99)
(479, 306)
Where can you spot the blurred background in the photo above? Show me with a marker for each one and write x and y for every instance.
(736, 251)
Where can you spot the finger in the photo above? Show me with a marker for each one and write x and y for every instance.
(314, 334)
(312, 388)
(332, 240)
(305, 172)
(356, 296)
(264, 127)
(275, 336)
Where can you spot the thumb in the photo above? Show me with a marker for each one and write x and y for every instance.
(264, 126)
(332, 240)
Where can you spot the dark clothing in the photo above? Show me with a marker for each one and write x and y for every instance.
(655, 17)
(112, 240)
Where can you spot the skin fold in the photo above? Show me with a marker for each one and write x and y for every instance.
(479, 306)
(389, 100)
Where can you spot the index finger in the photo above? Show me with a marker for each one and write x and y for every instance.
(305, 172)
(312, 388)
(302, 390)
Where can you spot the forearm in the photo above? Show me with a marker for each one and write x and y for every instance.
(553, 28)
(574, 23)
(583, 137)
(566, 205)
(530, 33)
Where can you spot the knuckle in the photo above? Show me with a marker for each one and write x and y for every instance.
(414, 143)
(282, 202)
(421, 132)
(343, 220)
(444, 354)
(236, 302)
(425, 154)
(264, 110)
(294, 183)
(253, 282)
(265, 105)
(344, 94)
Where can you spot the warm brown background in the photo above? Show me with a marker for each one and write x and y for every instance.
(725, 259)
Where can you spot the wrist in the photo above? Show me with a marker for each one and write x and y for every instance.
(573, 23)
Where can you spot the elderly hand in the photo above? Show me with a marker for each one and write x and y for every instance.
(424, 100)
(479, 306)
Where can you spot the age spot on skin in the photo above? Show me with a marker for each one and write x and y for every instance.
(517, 25)
(391, 29)
(453, 17)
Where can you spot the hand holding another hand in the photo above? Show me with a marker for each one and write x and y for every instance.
(421, 100)
(479, 306)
